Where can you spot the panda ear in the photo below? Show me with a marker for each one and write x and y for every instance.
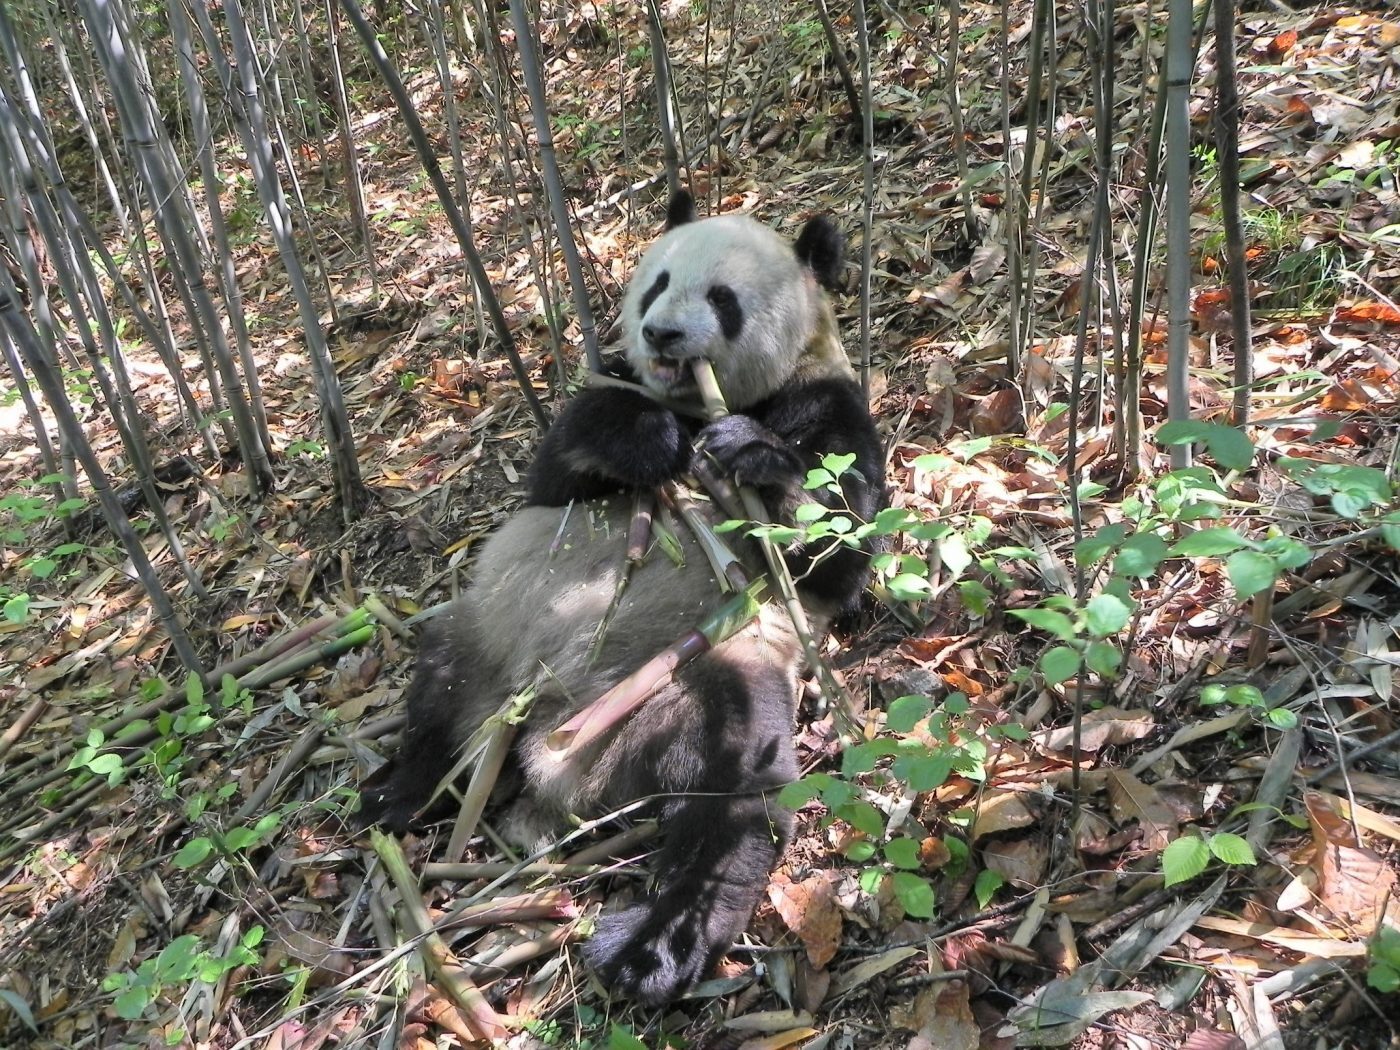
(680, 210)
(821, 249)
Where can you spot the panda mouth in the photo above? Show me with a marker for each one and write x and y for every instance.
(671, 372)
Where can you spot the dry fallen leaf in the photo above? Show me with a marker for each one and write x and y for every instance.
(1131, 799)
(941, 1015)
(810, 910)
(1098, 729)
(1001, 811)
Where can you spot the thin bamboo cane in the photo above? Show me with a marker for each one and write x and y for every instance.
(715, 405)
(1178, 169)
(553, 181)
(26, 340)
(867, 200)
(1227, 151)
(454, 215)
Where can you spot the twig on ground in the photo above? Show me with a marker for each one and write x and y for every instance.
(518, 954)
(308, 657)
(491, 869)
(622, 843)
(296, 754)
(22, 724)
(523, 907)
(275, 647)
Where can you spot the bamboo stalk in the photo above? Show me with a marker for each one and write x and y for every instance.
(638, 538)
(451, 977)
(838, 58)
(510, 714)
(22, 724)
(553, 180)
(493, 869)
(1179, 58)
(728, 569)
(419, 137)
(615, 846)
(523, 907)
(867, 207)
(713, 397)
(294, 756)
(273, 648)
(304, 658)
(484, 777)
(1227, 144)
(622, 699)
(526, 950)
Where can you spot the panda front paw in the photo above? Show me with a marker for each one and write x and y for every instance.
(638, 953)
(749, 452)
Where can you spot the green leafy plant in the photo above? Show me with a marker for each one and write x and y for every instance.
(1188, 856)
(314, 449)
(1383, 960)
(15, 607)
(228, 843)
(181, 961)
(1250, 697)
(924, 744)
(92, 758)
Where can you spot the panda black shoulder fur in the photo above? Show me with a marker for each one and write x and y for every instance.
(717, 738)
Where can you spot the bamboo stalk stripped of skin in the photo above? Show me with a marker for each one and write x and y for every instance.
(622, 699)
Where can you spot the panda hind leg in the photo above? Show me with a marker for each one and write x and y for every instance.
(445, 703)
(716, 754)
(711, 873)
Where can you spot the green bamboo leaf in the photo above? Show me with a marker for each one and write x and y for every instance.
(1106, 614)
(1049, 621)
(914, 893)
(906, 712)
(1059, 664)
(903, 853)
(1140, 555)
(1209, 543)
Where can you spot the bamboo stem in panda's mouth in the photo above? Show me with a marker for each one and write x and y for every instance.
(716, 408)
(708, 384)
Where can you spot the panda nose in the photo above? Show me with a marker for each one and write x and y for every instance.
(661, 338)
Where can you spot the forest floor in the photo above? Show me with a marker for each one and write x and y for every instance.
(201, 890)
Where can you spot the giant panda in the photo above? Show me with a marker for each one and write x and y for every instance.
(710, 747)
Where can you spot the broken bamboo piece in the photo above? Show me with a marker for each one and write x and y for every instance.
(446, 971)
(622, 699)
(638, 539)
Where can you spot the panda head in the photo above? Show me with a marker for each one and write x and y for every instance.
(731, 290)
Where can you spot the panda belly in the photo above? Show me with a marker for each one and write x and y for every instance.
(538, 614)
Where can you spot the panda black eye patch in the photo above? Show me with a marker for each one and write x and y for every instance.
(727, 309)
(662, 282)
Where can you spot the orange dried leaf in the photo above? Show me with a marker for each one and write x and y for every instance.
(809, 909)
(1363, 312)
